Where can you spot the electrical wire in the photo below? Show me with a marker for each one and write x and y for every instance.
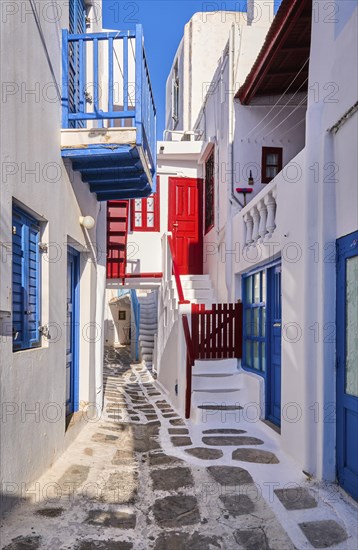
(283, 107)
(288, 116)
(279, 99)
(43, 41)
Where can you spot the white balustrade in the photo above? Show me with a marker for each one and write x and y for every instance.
(260, 218)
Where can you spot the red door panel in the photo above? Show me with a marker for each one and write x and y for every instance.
(117, 230)
(185, 223)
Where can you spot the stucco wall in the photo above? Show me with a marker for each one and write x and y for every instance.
(34, 175)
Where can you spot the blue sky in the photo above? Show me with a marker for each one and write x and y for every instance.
(163, 22)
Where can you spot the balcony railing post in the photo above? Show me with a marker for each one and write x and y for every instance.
(139, 82)
(65, 76)
(263, 217)
(271, 214)
(249, 227)
(256, 218)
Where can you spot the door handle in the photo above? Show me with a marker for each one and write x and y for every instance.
(175, 225)
(277, 324)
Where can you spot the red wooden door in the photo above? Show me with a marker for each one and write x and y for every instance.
(117, 231)
(185, 223)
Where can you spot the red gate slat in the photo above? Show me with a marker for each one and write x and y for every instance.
(231, 350)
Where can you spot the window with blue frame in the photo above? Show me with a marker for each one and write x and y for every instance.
(254, 300)
(25, 281)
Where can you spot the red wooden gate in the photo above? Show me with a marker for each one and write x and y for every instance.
(217, 333)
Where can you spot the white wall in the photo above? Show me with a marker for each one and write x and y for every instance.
(30, 140)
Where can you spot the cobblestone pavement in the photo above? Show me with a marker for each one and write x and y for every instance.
(140, 478)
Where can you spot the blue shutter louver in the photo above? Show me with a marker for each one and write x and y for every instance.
(25, 281)
(77, 25)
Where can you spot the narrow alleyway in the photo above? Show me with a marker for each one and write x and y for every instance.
(142, 478)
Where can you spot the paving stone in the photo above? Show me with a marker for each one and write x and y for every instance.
(230, 475)
(296, 498)
(73, 477)
(176, 511)
(88, 451)
(105, 545)
(120, 488)
(323, 533)
(49, 512)
(226, 431)
(104, 438)
(204, 453)
(171, 415)
(173, 479)
(255, 455)
(178, 431)
(252, 539)
(123, 457)
(161, 459)
(177, 422)
(24, 543)
(181, 441)
(184, 541)
(237, 504)
(135, 418)
(151, 416)
(108, 518)
(227, 440)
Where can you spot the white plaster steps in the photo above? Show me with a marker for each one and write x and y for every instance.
(216, 395)
(148, 326)
(216, 382)
(215, 366)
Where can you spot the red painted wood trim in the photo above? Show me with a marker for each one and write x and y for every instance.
(153, 275)
(190, 358)
(280, 29)
(266, 151)
(176, 274)
(145, 229)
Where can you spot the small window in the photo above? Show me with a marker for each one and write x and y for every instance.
(175, 109)
(209, 192)
(271, 163)
(25, 281)
(145, 213)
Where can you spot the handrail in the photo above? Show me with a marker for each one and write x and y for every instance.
(176, 274)
(136, 310)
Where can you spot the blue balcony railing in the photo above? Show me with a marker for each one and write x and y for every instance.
(106, 83)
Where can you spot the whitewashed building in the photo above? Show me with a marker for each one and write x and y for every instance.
(264, 218)
(74, 134)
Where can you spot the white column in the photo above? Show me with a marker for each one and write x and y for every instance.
(256, 217)
(249, 226)
(271, 214)
(263, 219)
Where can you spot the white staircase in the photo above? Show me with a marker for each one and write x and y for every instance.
(216, 385)
(197, 288)
(148, 326)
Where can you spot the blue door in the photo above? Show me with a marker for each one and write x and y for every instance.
(72, 332)
(347, 363)
(273, 335)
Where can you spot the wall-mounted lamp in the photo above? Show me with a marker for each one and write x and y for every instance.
(87, 221)
(251, 179)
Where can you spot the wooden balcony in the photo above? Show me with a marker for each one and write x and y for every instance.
(108, 113)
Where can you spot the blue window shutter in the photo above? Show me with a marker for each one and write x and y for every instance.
(25, 281)
(17, 281)
(33, 286)
(77, 17)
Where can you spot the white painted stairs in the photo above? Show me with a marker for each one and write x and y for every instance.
(148, 326)
(216, 385)
(196, 288)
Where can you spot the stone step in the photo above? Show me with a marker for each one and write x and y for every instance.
(216, 382)
(215, 366)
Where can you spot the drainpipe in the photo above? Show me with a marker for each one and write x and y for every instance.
(101, 238)
(229, 230)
